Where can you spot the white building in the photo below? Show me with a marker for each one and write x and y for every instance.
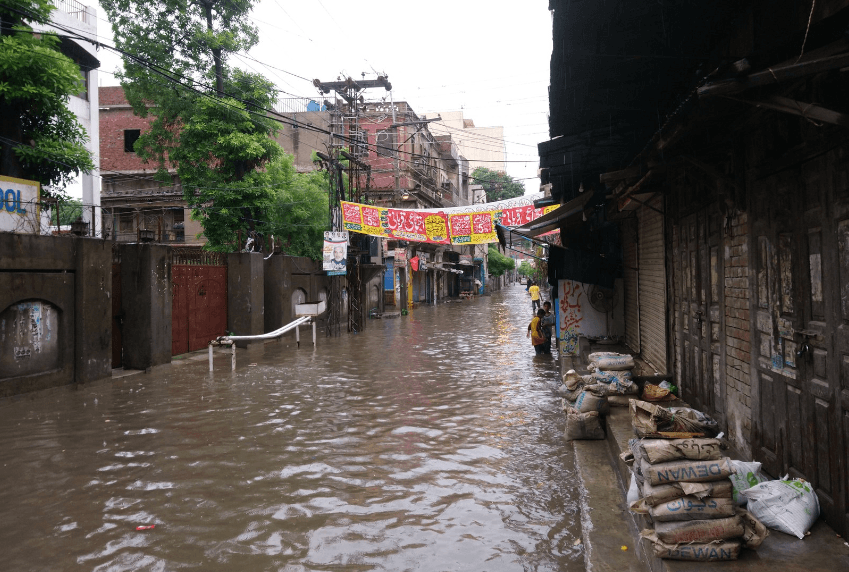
(73, 15)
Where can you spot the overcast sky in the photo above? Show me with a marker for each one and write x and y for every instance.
(443, 55)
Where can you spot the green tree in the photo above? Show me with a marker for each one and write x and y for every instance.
(69, 211)
(40, 138)
(208, 119)
(298, 214)
(497, 185)
(526, 269)
(498, 263)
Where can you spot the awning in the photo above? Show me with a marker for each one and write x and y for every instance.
(574, 209)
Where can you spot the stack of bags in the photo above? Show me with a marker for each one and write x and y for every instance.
(585, 405)
(612, 373)
(683, 485)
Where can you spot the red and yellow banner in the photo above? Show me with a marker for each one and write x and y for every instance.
(460, 225)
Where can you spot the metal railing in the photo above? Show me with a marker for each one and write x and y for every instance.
(231, 340)
(74, 8)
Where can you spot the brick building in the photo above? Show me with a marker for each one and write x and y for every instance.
(721, 167)
(132, 199)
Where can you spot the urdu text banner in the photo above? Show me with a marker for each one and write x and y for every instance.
(460, 225)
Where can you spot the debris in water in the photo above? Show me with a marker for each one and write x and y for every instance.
(577, 542)
(148, 527)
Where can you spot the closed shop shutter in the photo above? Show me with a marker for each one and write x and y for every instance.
(652, 286)
(631, 283)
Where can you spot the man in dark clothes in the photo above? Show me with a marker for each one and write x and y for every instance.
(546, 324)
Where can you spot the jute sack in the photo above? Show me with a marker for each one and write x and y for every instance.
(615, 363)
(619, 400)
(713, 552)
(700, 531)
(692, 508)
(663, 450)
(581, 426)
(588, 401)
(690, 471)
(754, 530)
(605, 376)
(655, 494)
(572, 380)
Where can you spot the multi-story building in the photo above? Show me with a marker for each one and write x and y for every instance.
(133, 200)
(482, 146)
(72, 15)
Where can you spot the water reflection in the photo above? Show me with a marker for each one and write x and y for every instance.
(432, 442)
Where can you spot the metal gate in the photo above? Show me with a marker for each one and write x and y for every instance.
(800, 238)
(199, 307)
(652, 285)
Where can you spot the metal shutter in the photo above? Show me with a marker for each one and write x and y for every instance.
(631, 283)
(652, 286)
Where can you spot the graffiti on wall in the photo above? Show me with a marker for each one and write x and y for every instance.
(28, 338)
(570, 297)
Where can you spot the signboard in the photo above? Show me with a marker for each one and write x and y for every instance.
(400, 257)
(473, 224)
(19, 205)
(335, 253)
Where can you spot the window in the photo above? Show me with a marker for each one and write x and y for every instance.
(130, 138)
(84, 93)
(179, 225)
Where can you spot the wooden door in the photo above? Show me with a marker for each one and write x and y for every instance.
(799, 408)
(701, 311)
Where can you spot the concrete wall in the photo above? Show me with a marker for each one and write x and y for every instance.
(146, 300)
(245, 294)
(286, 277)
(53, 327)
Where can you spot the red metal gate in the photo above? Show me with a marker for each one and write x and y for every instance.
(199, 309)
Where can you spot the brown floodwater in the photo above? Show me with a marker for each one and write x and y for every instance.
(431, 442)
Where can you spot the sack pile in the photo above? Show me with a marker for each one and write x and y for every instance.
(684, 486)
(650, 420)
(614, 371)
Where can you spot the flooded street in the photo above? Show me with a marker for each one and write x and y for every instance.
(430, 442)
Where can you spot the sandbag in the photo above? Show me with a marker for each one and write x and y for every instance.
(604, 376)
(650, 420)
(598, 389)
(692, 508)
(746, 475)
(619, 400)
(588, 401)
(572, 380)
(788, 506)
(690, 471)
(700, 531)
(595, 356)
(633, 491)
(663, 450)
(657, 494)
(754, 531)
(713, 552)
(637, 454)
(705, 421)
(615, 363)
(581, 426)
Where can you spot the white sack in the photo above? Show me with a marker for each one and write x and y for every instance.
(788, 506)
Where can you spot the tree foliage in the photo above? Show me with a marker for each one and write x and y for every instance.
(40, 138)
(299, 213)
(498, 185)
(526, 269)
(69, 211)
(498, 263)
(208, 122)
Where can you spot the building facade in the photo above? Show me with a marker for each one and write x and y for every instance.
(724, 171)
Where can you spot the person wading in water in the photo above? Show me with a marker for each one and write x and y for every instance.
(535, 332)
